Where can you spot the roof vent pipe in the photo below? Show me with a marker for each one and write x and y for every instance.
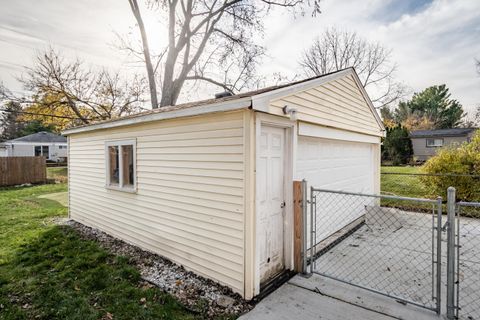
(223, 94)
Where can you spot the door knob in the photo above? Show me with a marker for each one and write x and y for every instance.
(282, 205)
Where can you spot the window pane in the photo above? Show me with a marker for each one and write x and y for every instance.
(38, 151)
(127, 170)
(113, 164)
(45, 151)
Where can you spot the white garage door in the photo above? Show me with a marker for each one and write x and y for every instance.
(336, 165)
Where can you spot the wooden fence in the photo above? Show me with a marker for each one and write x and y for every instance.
(20, 170)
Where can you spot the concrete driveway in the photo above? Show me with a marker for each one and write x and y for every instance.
(318, 297)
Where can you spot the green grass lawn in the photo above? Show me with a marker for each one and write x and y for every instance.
(402, 185)
(48, 272)
(59, 174)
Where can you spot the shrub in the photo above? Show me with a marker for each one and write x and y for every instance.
(459, 159)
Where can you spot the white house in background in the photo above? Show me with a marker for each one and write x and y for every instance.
(52, 146)
(209, 184)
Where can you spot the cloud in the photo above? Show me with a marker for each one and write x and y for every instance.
(433, 42)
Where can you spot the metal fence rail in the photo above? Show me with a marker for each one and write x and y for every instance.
(467, 266)
(393, 252)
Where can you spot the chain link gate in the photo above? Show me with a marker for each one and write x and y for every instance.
(463, 259)
(376, 242)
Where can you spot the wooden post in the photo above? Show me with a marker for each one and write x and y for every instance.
(298, 225)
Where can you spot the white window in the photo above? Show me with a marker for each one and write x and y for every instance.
(120, 164)
(434, 142)
(41, 151)
(62, 147)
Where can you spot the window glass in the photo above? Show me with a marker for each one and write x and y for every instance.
(41, 151)
(114, 164)
(127, 165)
(434, 142)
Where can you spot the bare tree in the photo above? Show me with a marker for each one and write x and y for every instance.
(146, 52)
(58, 85)
(208, 41)
(335, 50)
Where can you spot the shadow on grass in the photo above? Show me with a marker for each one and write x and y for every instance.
(60, 276)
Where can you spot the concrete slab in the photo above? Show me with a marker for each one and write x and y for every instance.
(362, 298)
(293, 302)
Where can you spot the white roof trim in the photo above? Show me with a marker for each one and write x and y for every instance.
(222, 106)
(261, 101)
(11, 142)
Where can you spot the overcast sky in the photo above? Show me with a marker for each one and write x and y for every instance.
(433, 42)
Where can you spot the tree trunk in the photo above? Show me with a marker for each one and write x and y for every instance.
(146, 53)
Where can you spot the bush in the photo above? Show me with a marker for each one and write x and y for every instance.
(460, 159)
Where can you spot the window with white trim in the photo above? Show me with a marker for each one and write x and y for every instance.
(434, 142)
(121, 165)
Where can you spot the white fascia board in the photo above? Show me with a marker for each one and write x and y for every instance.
(192, 111)
(261, 101)
(312, 130)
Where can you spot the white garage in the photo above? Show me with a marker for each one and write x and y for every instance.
(209, 184)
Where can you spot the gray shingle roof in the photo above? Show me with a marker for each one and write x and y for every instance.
(441, 132)
(41, 137)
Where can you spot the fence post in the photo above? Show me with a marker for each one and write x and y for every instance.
(439, 254)
(298, 226)
(312, 228)
(305, 236)
(451, 253)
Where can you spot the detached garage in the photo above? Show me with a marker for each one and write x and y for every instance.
(209, 185)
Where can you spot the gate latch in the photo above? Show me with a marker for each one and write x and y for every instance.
(445, 226)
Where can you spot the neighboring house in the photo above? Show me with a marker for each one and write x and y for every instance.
(425, 143)
(209, 184)
(47, 144)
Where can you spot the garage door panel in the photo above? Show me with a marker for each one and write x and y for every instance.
(347, 165)
(340, 166)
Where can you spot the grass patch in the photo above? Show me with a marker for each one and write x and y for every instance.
(60, 197)
(58, 174)
(48, 272)
(404, 186)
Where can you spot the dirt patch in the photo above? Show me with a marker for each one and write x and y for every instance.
(196, 293)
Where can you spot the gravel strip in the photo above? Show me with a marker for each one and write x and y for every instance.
(196, 293)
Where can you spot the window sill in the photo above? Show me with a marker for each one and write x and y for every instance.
(127, 190)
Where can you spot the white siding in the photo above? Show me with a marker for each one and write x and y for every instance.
(337, 104)
(189, 205)
(22, 150)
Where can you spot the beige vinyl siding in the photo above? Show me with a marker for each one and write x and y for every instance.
(337, 104)
(189, 204)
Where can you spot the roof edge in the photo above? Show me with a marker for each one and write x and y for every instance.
(222, 106)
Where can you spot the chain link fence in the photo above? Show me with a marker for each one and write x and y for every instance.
(431, 186)
(468, 260)
(358, 240)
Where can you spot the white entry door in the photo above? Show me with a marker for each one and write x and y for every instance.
(271, 202)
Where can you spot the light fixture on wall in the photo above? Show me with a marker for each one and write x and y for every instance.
(291, 112)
